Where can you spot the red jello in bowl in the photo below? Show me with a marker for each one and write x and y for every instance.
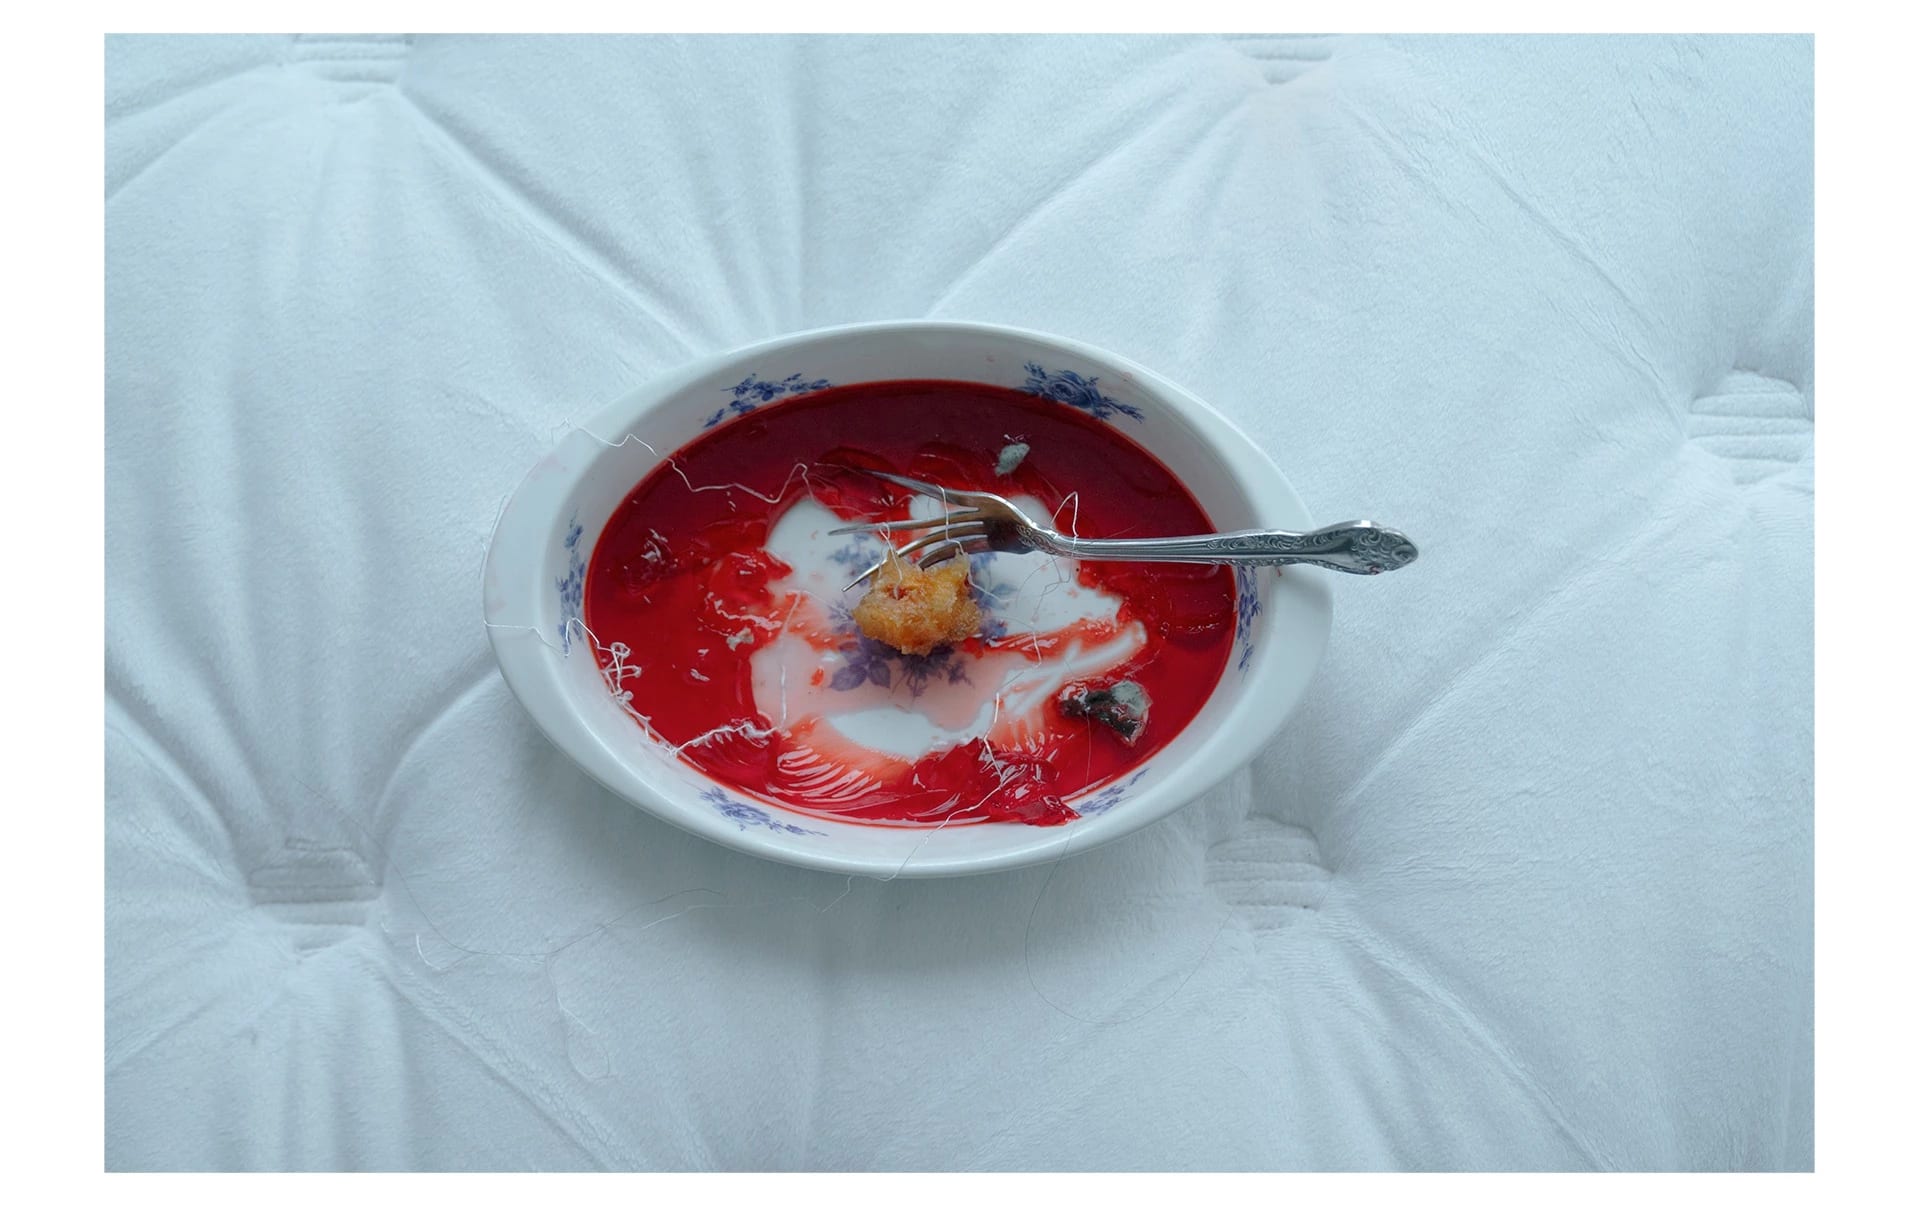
(666, 596)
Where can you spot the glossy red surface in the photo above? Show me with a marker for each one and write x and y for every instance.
(683, 562)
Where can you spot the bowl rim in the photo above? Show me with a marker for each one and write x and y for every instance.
(530, 515)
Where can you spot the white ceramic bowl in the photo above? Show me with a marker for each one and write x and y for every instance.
(536, 567)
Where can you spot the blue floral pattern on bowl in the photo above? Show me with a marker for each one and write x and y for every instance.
(573, 586)
(753, 393)
(748, 815)
(992, 600)
(860, 550)
(1080, 393)
(870, 661)
(1106, 797)
(1246, 582)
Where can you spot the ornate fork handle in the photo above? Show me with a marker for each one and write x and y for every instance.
(1354, 548)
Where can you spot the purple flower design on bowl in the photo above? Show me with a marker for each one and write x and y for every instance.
(572, 587)
(869, 661)
(1246, 583)
(750, 816)
(753, 393)
(1106, 797)
(1080, 393)
(860, 550)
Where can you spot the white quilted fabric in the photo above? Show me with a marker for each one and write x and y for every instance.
(1527, 884)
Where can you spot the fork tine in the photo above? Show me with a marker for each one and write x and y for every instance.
(958, 531)
(866, 573)
(911, 483)
(963, 497)
(950, 532)
(907, 525)
(951, 549)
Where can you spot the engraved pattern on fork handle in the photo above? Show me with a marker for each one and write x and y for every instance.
(1355, 548)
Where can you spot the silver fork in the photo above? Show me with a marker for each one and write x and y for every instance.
(978, 522)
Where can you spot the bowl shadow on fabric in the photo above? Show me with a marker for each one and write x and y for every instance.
(1101, 936)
